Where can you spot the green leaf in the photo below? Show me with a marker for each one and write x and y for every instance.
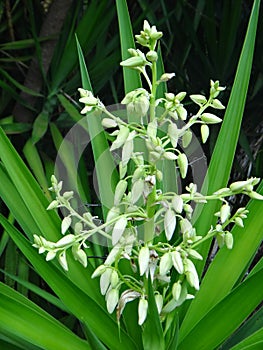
(72, 297)
(16, 205)
(21, 317)
(28, 189)
(220, 279)
(217, 177)
(32, 156)
(102, 156)
(152, 336)
(220, 322)
(15, 343)
(131, 77)
(16, 128)
(40, 126)
(38, 291)
(254, 342)
(220, 167)
(95, 21)
(252, 326)
(69, 108)
(18, 85)
(174, 334)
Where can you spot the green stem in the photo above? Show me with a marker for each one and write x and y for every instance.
(149, 223)
(153, 92)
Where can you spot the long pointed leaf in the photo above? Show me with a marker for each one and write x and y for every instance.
(102, 156)
(227, 267)
(226, 316)
(73, 297)
(131, 77)
(20, 317)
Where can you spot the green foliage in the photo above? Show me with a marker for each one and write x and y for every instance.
(78, 303)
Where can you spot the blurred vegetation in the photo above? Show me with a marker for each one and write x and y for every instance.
(38, 60)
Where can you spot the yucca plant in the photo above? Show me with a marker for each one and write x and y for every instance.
(218, 307)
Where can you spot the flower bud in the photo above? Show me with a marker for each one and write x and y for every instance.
(50, 255)
(66, 222)
(182, 112)
(119, 191)
(165, 263)
(68, 195)
(210, 118)
(169, 223)
(152, 129)
(114, 253)
(53, 205)
(169, 155)
(180, 96)
(112, 298)
(78, 227)
(108, 123)
(185, 226)
(159, 302)
(224, 213)
(176, 290)
(182, 162)
(166, 76)
(217, 104)
(159, 175)
(191, 274)
(137, 190)
(37, 241)
(198, 99)
(187, 138)
(142, 310)
(80, 256)
(220, 238)
(194, 254)
(121, 138)
(229, 241)
(105, 280)
(255, 195)
(63, 260)
(173, 134)
(142, 41)
(122, 170)
(204, 132)
(239, 222)
(118, 229)
(99, 271)
(134, 62)
(152, 56)
(112, 214)
(67, 240)
(177, 203)
(143, 259)
(177, 262)
(114, 279)
(192, 279)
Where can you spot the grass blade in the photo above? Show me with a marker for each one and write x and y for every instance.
(131, 77)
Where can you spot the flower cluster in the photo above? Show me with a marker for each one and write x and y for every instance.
(147, 227)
